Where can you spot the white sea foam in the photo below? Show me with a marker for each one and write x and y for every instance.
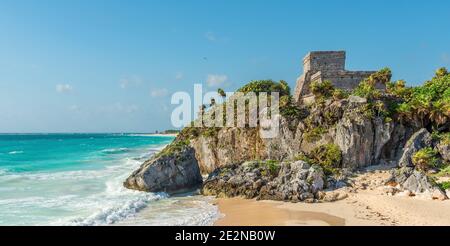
(95, 197)
(116, 150)
(16, 152)
(111, 215)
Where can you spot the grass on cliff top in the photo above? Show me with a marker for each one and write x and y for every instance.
(175, 147)
(268, 86)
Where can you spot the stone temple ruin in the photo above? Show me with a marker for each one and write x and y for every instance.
(326, 65)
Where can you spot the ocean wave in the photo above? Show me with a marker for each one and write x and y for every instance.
(125, 165)
(177, 211)
(203, 213)
(115, 150)
(112, 215)
(16, 152)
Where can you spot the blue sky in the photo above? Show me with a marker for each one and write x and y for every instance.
(111, 66)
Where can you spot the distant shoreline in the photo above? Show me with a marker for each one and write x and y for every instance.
(159, 135)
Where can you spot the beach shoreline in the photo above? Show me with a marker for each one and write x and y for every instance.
(371, 211)
(367, 204)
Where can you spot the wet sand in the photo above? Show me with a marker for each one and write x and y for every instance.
(241, 212)
(367, 205)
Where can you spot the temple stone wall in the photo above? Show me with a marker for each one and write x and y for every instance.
(327, 65)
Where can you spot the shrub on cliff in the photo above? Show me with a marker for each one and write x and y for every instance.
(314, 134)
(429, 104)
(289, 109)
(367, 90)
(444, 185)
(399, 89)
(270, 167)
(322, 89)
(339, 94)
(441, 72)
(328, 156)
(383, 76)
(425, 159)
(368, 87)
(268, 86)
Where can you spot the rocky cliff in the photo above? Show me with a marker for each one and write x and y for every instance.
(337, 133)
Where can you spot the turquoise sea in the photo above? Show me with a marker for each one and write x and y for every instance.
(76, 179)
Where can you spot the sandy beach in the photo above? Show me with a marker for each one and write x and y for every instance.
(367, 205)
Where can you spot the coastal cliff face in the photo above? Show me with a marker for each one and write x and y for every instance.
(336, 134)
(362, 139)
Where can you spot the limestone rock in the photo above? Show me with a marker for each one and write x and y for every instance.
(356, 99)
(173, 173)
(334, 196)
(316, 179)
(416, 183)
(295, 181)
(361, 139)
(444, 150)
(438, 194)
(418, 140)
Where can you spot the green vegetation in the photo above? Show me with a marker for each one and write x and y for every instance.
(368, 87)
(314, 134)
(339, 94)
(444, 185)
(444, 172)
(445, 138)
(425, 159)
(269, 167)
(266, 86)
(222, 93)
(210, 131)
(322, 90)
(381, 77)
(367, 90)
(288, 109)
(171, 131)
(328, 156)
(428, 104)
(174, 147)
(399, 89)
(441, 72)
(442, 137)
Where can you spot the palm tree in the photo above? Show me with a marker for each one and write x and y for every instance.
(438, 114)
(221, 92)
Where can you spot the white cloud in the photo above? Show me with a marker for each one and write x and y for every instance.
(214, 80)
(63, 88)
(210, 36)
(179, 76)
(130, 82)
(159, 92)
